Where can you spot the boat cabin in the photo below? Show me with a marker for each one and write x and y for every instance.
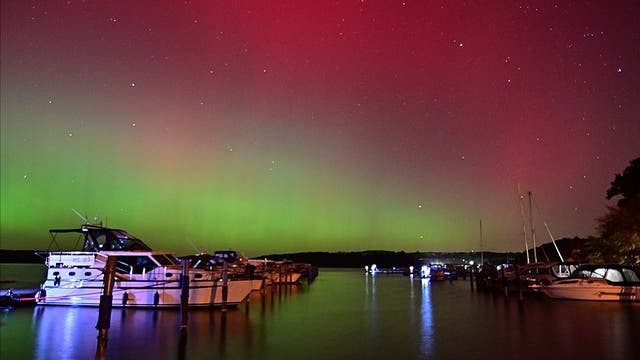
(612, 274)
(94, 238)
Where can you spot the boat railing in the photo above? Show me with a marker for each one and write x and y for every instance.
(123, 267)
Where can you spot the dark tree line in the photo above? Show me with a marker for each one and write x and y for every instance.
(619, 228)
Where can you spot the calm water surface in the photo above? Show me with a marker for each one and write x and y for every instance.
(342, 315)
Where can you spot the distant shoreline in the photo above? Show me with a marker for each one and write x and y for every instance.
(383, 259)
(333, 259)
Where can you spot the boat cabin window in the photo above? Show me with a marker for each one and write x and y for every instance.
(599, 273)
(563, 270)
(135, 264)
(165, 260)
(614, 275)
(229, 256)
(101, 240)
(630, 275)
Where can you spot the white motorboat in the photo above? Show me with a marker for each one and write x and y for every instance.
(143, 277)
(596, 282)
(546, 273)
(277, 272)
(233, 263)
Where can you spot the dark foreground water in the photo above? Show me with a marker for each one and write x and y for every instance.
(342, 315)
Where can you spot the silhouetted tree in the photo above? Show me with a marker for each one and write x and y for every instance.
(619, 229)
(626, 185)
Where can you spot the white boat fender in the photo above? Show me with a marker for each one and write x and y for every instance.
(125, 298)
(156, 299)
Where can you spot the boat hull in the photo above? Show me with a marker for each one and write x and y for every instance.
(148, 294)
(84, 286)
(288, 279)
(597, 290)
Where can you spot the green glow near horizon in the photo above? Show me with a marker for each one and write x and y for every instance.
(243, 200)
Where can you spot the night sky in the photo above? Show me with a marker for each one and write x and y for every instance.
(287, 126)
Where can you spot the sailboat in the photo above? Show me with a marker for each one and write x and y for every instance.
(541, 272)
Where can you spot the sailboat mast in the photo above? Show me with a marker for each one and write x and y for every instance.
(550, 235)
(524, 226)
(481, 246)
(533, 231)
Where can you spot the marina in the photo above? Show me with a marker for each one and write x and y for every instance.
(111, 265)
(343, 314)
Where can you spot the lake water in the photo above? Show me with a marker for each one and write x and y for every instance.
(343, 314)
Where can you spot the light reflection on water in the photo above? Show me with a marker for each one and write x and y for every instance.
(343, 314)
(427, 330)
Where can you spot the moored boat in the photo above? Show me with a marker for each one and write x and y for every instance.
(545, 273)
(143, 277)
(230, 262)
(596, 282)
(277, 272)
(437, 272)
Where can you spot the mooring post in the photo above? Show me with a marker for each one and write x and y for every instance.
(104, 312)
(225, 286)
(518, 283)
(184, 295)
(471, 276)
(505, 284)
(282, 274)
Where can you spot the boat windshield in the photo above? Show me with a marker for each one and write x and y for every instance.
(614, 274)
(563, 270)
(166, 259)
(130, 264)
(228, 255)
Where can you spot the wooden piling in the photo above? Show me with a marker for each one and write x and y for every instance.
(225, 286)
(518, 283)
(104, 313)
(184, 295)
(505, 284)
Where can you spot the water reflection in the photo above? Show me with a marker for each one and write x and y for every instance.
(370, 304)
(61, 331)
(70, 333)
(427, 318)
(341, 315)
